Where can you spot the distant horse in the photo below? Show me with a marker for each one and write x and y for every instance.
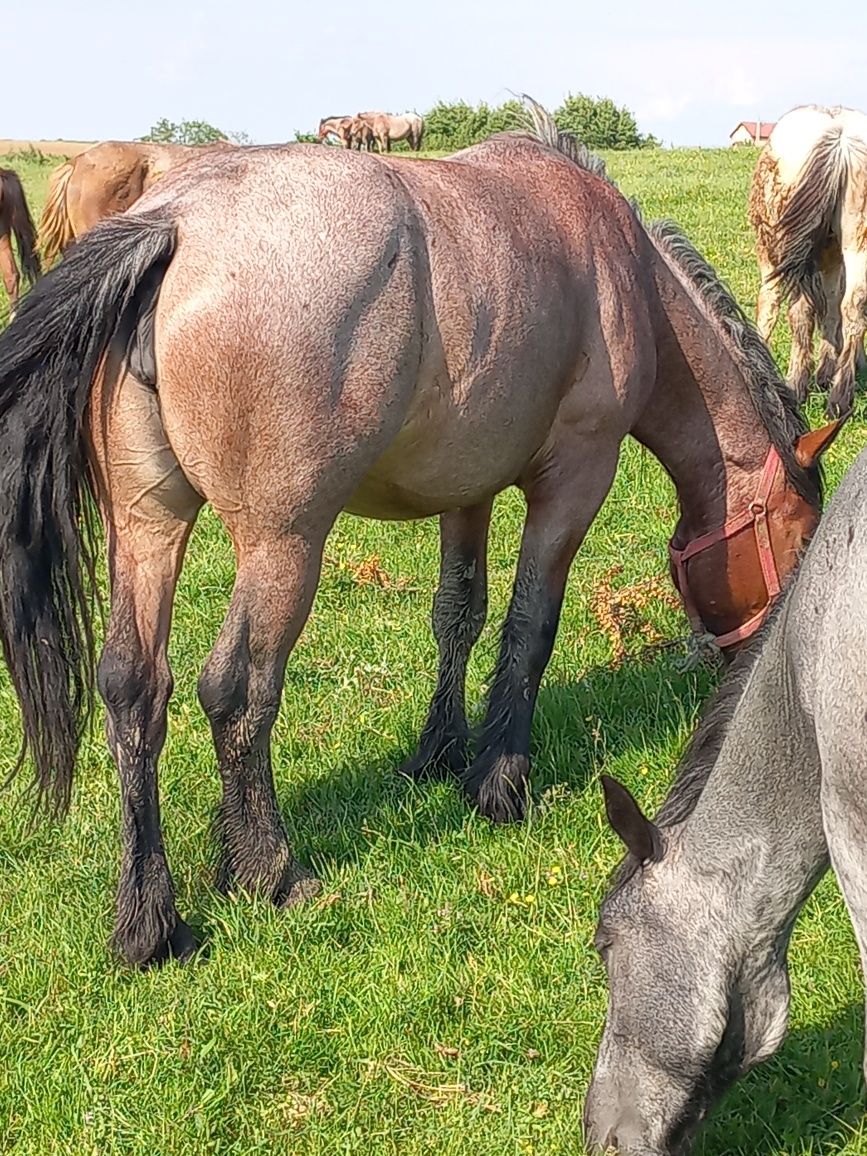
(361, 135)
(338, 126)
(808, 206)
(15, 220)
(387, 129)
(695, 929)
(504, 318)
(102, 181)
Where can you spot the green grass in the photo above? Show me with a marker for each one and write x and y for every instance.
(443, 995)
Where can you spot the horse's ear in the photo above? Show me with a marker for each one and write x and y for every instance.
(809, 447)
(640, 836)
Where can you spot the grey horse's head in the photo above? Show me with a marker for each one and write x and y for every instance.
(692, 1004)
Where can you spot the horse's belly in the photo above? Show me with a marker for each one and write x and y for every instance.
(388, 500)
(447, 459)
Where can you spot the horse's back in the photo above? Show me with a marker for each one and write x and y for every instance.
(471, 257)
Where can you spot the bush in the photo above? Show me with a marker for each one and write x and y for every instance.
(600, 124)
(455, 126)
(191, 132)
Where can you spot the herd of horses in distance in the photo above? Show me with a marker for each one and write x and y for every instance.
(507, 318)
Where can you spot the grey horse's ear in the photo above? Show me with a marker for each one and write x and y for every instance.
(640, 837)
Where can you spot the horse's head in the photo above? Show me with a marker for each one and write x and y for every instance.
(730, 577)
(688, 1011)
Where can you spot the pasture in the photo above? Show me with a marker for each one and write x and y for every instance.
(442, 994)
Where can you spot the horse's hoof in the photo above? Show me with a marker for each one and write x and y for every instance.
(442, 763)
(297, 886)
(825, 375)
(181, 944)
(499, 787)
(837, 407)
(799, 384)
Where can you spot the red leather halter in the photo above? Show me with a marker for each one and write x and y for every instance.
(757, 517)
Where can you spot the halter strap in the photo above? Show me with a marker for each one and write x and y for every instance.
(756, 515)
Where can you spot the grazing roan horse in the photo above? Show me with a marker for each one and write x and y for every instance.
(695, 929)
(388, 128)
(15, 220)
(102, 181)
(503, 319)
(338, 126)
(808, 207)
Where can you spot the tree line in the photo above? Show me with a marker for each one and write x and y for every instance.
(597, 121)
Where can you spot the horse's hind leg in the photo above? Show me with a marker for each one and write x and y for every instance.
(854, 316)
(459, 611)
(802, 318)
(9, 272)
(768, 308)
(240, 689)
(136, 683)
(561, 504)
(149, 510)
(831, 331)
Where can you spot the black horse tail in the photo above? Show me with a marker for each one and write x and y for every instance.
(22, 225)
(49, 356)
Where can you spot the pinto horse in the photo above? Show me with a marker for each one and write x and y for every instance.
(15, 220)
(808, 207)
(505, 319)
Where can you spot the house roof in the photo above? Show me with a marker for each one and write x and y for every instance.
(766, 127)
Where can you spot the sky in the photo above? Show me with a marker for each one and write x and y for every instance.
(103, 69)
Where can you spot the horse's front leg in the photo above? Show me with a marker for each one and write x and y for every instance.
(562, 501)
(459, 612)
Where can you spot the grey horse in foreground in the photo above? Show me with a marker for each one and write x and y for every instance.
(695, 929)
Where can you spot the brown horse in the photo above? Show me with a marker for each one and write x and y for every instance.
(102, 181)
(338, 126)
(808, 207)
(504, 318)
(15, 220)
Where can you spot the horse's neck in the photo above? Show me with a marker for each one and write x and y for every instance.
(701, 422)
(757, 826)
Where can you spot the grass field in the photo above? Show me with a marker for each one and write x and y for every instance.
(442, 995)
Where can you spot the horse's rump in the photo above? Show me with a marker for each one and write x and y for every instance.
(818, 198)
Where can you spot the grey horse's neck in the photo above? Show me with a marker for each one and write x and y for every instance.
(757, 824)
